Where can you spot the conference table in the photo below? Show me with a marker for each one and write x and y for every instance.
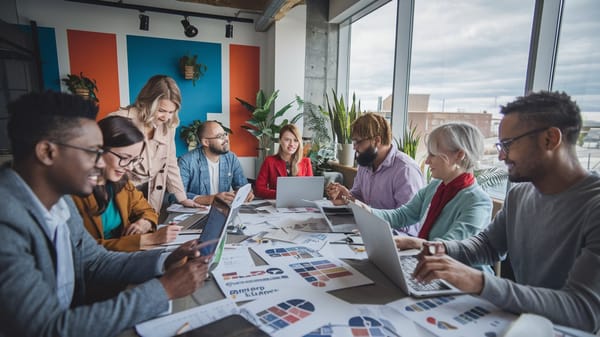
(381, 291)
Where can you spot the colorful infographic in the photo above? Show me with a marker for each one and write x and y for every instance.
(329, 274)
(456, 315)
(282, 253)
(249, 283)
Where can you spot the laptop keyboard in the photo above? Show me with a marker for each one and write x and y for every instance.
(409, 263)
(200, 223)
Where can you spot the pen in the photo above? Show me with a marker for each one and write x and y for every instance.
(345, 243)
(185, 327)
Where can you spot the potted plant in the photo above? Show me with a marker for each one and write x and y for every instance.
(191, 69)
(322, 148)
(410, 141)
(263, 124)
(82, 86)
(189, 133)
(341, 119)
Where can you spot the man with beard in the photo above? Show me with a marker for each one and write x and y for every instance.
(387, 178)
(549, 224)
(212, 170)
(47, 259)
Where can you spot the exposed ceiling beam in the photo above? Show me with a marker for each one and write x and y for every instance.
(274, 11)
(163, 10)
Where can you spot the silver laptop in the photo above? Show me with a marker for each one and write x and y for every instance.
(381, 250)
(340, 219)
(298, 191)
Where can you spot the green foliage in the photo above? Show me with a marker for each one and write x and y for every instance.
(189, 132)
(199, 68)
(263, 124)
(322, 149)
(74, 82)
(410, 141)
(341, 117)
(490, 177)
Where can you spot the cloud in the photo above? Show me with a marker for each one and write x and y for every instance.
(472, 55)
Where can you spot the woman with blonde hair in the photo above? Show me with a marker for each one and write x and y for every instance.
(155, 114)
(452, 206)
(287, 162)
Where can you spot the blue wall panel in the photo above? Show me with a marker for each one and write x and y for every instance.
(147, 56)
(49, 56)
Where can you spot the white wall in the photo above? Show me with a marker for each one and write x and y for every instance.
(290, 56)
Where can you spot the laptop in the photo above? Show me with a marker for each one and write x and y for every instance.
(212, 238)
(398, 267)
(340, 219)
(298, 191)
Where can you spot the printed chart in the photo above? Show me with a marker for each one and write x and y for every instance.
(329, 273)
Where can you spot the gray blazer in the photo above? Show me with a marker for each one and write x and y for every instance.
(28, 302)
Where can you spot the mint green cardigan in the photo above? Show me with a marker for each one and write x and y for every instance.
(466, 214)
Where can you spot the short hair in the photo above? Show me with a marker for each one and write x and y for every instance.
(296, 157)
(201, 130)
(370, 125)
(158, 87)
(552, 109)
(50, 115)
(458, 136)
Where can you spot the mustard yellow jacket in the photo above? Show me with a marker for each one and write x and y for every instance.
(132, 206)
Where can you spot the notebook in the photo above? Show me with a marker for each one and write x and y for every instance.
(212, 238)
(398, 267)
(298, 191)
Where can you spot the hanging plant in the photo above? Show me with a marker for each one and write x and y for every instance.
(191, 69)
(82, 86)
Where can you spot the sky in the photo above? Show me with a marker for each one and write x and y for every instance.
(471, 55)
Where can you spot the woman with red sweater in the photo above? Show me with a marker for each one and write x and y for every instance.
(287, 162)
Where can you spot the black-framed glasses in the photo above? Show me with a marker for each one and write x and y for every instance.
(97, 152)
(125, 161)
(220, 136)
(356, 142)
(504, 145)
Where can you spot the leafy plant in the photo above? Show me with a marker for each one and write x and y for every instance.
(75, 83)
(341, 117)
(263, 124)
(192, 61)
(322, 148)
(189, 133)
(410, 141)
(490, 177)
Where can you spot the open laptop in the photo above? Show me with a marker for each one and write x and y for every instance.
(298, 191)
(340, 219)
(381, 250)
(212, 238)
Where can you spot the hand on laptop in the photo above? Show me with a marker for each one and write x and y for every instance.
(435, 264)
(408, 242)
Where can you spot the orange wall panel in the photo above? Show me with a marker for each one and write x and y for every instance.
(244, 82)
(95, 54)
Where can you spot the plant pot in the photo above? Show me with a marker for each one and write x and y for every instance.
(346, 154)
(83, 92)
(188, 72)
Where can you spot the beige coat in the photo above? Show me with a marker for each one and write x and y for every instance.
(159, 166)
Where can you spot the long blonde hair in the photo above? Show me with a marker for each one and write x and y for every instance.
(296, 156)
(158, 87)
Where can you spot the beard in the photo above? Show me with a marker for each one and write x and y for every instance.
(366, 157)
(218, 150)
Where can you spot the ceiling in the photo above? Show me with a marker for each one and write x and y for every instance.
(276, 9)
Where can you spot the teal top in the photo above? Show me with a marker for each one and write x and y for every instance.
(465, 215)
(111, 219)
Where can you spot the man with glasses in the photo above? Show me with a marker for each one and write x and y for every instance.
(47, 259)
(212, 170)
(549, 225)
(386, 178)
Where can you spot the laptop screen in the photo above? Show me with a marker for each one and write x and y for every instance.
(215, 226)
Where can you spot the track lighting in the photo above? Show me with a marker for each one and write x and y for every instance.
(144, 21)
(229, 30)
(188, 28)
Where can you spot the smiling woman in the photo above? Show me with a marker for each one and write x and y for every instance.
(116, 214)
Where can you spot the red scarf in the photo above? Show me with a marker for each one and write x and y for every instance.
(442, 196)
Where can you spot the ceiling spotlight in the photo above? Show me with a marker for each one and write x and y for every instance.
(188, 28)
(229, 30)
(144, 22)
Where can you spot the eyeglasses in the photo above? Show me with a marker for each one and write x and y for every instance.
(220, 136)
(358, 142)
(504, 145)
(124, 161)
(97, 152)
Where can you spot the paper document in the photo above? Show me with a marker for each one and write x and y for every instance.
(167, 326)
(179, 208)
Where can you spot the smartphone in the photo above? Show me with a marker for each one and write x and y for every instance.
(229, 326)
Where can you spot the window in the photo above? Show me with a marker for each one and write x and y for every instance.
(577, 72)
